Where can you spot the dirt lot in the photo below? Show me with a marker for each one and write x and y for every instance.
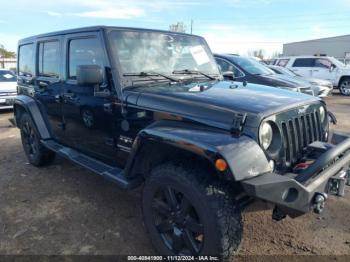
(63, 209)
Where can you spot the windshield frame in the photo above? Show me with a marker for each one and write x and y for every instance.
(336, 62)
(127, 80)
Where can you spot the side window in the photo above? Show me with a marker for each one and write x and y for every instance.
(87, 51)
(323, 63)
(304, 62)
(228, 67)
(26, 63)
(49, 59)
(223, 65)
(282, 62)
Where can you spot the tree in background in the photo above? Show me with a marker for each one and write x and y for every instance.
(4, 53)
(276, 54)
(257, 53)
(178, 27)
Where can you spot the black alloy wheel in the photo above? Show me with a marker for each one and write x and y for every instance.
(178, 222)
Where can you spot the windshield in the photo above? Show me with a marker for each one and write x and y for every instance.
(286, 71)
(158, 52)
(7, 76)
(336, 62)
(251, 66)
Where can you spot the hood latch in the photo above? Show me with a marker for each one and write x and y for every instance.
(238, 123)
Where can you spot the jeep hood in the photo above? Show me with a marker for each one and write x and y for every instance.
(217, 102)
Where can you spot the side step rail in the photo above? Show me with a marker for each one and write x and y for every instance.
(111, 173)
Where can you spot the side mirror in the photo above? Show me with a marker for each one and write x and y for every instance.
(229, 75)
(89, 75)
(332, 67)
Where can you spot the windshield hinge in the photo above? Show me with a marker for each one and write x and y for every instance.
(238, 123)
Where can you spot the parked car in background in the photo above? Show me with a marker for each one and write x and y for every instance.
(322, 88)
(243, 69)
(323, 67)
(269, 61)
(8, 88)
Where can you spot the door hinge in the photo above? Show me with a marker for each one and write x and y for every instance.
(108, 108)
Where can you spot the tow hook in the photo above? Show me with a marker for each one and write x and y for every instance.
(319, 202)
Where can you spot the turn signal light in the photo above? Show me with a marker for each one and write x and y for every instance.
(221, 165)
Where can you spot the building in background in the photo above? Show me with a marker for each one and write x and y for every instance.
(338, 46)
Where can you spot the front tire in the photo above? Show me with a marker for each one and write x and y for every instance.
(36, 153)
(187, 212)
(344, 86)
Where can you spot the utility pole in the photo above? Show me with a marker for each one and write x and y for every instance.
(191, 25)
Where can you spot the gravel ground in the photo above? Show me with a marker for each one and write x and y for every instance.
(64, 209)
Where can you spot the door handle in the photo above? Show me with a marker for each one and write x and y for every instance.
(58, 98)
(316, 70)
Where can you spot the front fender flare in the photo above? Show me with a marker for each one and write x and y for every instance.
(244, 156)
(32, 108)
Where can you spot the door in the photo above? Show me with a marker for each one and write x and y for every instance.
(322, 70)
(48, 82)
(90, 121)
(303, 66)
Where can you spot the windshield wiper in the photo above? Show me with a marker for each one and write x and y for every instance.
(193, 72)
(150, 74)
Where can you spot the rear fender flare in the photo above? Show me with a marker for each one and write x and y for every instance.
(29, 105)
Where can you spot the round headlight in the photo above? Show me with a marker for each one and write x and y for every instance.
(322, 114)
(265, 135)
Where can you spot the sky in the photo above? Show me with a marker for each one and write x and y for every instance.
(229, 26)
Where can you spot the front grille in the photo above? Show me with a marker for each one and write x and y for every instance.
(299, 132)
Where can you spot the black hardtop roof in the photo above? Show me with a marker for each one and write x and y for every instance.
(92, 29)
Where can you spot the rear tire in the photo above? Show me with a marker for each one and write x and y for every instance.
(344, 86)
(187, 212)
(36, 153)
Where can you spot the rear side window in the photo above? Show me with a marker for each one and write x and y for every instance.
(304, 62)
(86, 51)
(282, 62)
(49, 59)
(26, 63)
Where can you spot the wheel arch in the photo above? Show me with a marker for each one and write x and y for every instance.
(153, 153)
(342, 79)
(26, 104)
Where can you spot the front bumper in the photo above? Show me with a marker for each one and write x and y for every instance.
(296, 194)
(325, 91)
(7, 101)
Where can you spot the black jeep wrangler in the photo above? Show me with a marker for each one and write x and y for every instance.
(148, 107)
